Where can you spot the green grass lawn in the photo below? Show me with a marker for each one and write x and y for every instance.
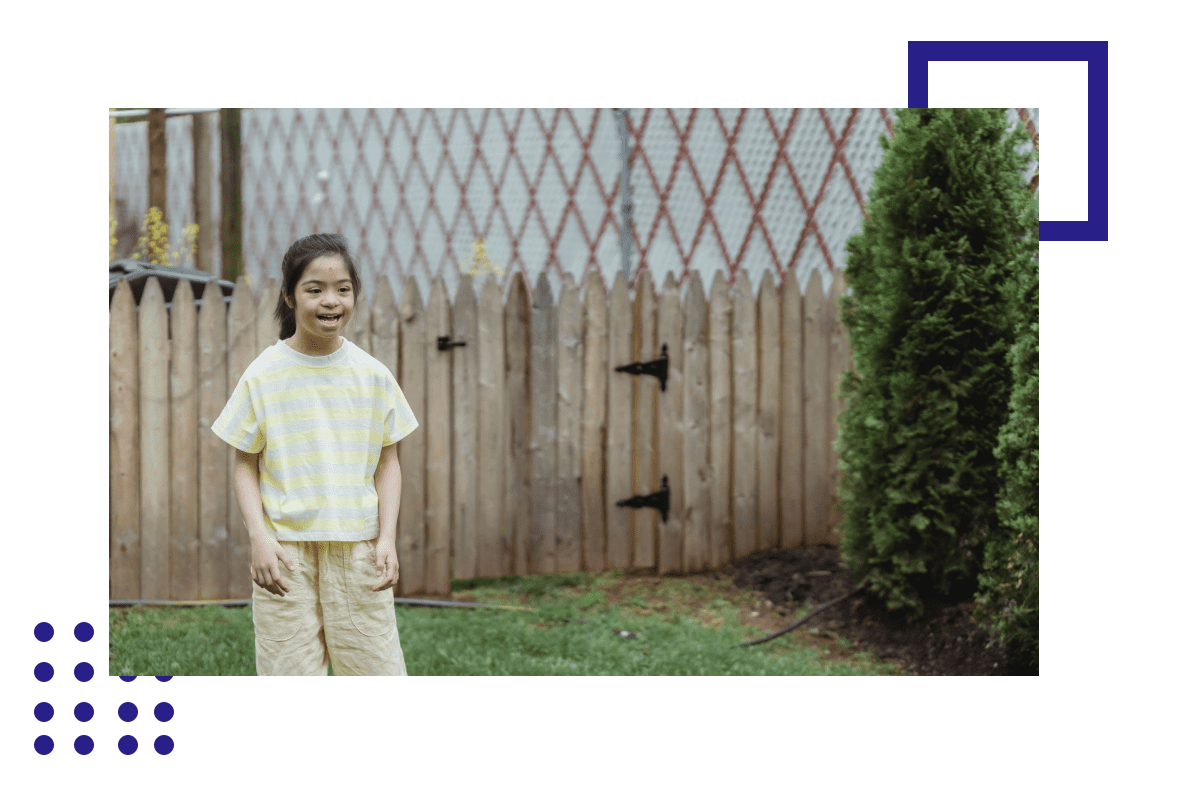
(679, 627)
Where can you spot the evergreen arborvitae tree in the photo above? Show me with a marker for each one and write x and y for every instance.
(929, 327)
(1009, 582)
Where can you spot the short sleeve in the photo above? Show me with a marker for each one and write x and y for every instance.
(400, 421)
(238, 424)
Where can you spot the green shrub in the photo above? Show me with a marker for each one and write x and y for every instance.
(1008, 594)
(930, 328)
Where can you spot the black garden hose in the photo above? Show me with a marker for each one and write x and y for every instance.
(806, 617)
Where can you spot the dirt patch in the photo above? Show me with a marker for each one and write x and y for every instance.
(945, 642)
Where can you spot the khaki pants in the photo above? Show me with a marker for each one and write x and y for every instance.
(329, 614)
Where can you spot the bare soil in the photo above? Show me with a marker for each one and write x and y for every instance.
(946, 641)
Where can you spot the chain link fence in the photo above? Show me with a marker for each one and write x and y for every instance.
(761, 190)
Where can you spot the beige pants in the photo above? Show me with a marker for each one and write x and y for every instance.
(329, 614)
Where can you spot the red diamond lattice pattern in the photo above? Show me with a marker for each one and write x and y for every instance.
(712, 189)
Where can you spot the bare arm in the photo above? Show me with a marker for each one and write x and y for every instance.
(387, 485)
(265, 552)
(245, 489)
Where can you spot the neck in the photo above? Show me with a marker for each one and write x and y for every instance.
(312, 346)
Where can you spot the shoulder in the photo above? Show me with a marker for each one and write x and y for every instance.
(267, 361)
(366, 362)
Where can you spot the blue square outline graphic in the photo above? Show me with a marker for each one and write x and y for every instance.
(1095, 227)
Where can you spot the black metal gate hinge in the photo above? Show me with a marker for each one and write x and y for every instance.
(657, 368)
(660, 500)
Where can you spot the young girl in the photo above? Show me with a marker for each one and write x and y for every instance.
(315, 421)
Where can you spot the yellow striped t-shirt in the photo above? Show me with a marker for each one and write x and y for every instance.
(319, 423)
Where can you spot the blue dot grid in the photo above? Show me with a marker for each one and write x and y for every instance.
(1095, 227)
(84, 712)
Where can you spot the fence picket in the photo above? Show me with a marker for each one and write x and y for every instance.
(184, 526)
(385, 329)
(839, 362)
(791, 415)
(465, 365)
(358, 329)
(720, 409)
(242, 344)
(595, 385)
(768, 413)
(543, 391)
(816, 411)
(212, 372)
(670, 427)
(697, 481)
(410, 374)
(385, 338)
(568, 552)
(438, 424)
(646, 477)
(494, 549)
(745, 417)
(124, 449)
(516, 379)
(154, 414)
(618, 455)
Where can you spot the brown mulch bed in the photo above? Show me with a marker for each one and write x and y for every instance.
(946, 641)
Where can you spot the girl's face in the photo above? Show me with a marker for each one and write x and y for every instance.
(323, 302)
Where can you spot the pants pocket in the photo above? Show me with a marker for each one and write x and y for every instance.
(373, 613)
(276, 618)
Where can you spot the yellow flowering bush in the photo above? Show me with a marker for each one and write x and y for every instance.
(154, 245)
(480, 263)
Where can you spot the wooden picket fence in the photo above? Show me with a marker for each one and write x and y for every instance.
(528, 435)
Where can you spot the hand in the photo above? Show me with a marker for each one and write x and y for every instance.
(387, 564)
(265, 555)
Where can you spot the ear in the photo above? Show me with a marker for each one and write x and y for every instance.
(290, 302)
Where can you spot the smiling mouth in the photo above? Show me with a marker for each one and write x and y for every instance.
(329, 318)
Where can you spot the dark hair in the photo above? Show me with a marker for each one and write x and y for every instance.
(297, 258)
